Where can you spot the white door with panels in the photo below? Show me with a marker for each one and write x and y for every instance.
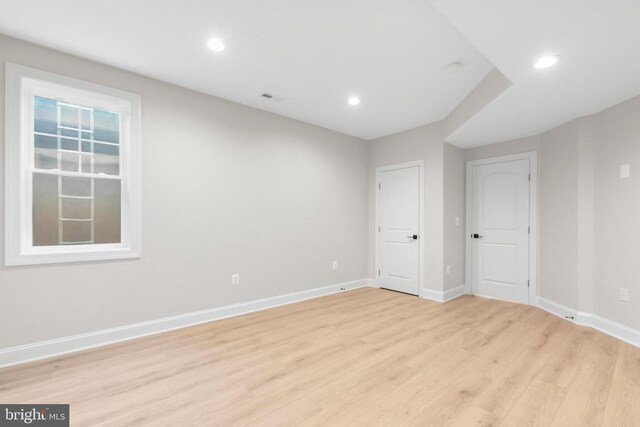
(500, 230)
(398, 221)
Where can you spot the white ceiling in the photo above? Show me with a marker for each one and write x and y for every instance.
(598, 42)
(312, 55)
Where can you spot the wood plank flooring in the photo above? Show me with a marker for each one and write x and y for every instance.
(367, 357)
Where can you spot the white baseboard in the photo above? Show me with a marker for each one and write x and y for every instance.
(557, 309)
(454, 293)
(432, 295)
(609, 327)
(372, 283)
(59, 346)
(620, 331)
(445, 296)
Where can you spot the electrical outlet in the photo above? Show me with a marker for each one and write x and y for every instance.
(624, 294)
(235, 279)
(448, 269)
(625, 171)
(334, 265)
(457, 220)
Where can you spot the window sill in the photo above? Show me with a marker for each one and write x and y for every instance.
(67, 254)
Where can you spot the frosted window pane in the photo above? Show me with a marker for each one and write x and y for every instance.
(86, 163)
(107, 159)
(107, 211)
(106, 126)
(79, 187)
(45, 210)
(76, 208)
(106, 204)
(86, 118)
(69, 133)
(76, 232)
(46, 158)
(69, 116)
(69, 144)
(45, 141)
(45, 114)
(69, 161)
(45, 152)
(71, 210)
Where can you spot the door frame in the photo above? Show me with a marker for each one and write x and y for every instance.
(532, 156)
(421, 239)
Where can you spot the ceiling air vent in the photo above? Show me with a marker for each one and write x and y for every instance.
(267, 95)
(454, 67)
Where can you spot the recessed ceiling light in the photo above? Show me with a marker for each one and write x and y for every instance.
(354, 100)
(545, 62)
(215, 45)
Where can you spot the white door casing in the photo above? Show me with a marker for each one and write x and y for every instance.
(499, 232)
(398, 227)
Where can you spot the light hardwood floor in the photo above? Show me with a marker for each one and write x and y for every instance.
(365, 357)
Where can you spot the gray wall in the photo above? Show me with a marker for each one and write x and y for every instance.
(617, 213)
(558, 220)
(522, 145)
(226, 189)
(454, 190)
(586, 216)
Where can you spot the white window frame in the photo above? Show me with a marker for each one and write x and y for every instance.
(22, 84)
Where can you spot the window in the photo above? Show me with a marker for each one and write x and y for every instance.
(72, 170)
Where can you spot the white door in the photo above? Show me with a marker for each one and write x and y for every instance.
(500, 233)
(398, 217)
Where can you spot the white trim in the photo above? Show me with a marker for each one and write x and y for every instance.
(372, 283)
(56, 347)
(557, 309)
(532, 156)
(454, 293)
(448, 295)
(609, 327)
(422, 239)
(59, 346)
(21, 84)
(432, 295)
